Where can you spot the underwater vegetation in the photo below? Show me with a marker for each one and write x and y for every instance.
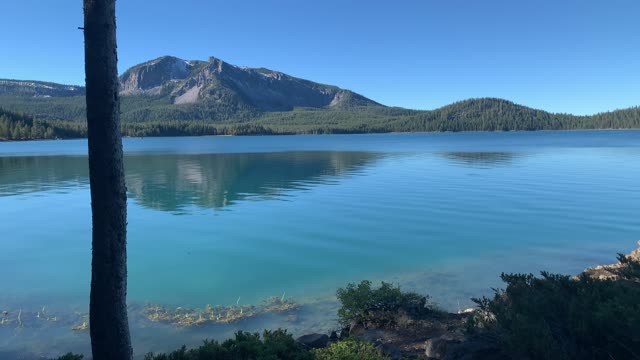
(185, 317)
(21, 318)
(179, 316)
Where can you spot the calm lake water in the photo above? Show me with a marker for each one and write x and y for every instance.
(226, 220)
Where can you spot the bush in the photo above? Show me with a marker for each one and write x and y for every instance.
(275, 345)
(349, 349)
(381, 306)
(70, 356)
(629, 269)
(557, 317)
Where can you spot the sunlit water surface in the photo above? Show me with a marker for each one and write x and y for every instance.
(225, 220)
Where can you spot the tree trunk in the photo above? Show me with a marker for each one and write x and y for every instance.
(109, 326)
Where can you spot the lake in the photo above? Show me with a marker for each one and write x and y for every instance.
(237, 220)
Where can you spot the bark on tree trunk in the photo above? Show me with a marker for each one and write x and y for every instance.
(109, 326)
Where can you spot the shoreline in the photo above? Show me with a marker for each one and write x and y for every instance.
(346, 133)
(448, 328)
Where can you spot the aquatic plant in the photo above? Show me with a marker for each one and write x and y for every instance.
(70, 356)
(279, 304)
(25, 318)
(82, 327)
(186, 317)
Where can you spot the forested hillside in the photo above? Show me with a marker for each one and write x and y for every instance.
(470, 115)
(169, 96)
(486, 114)
(17, 126)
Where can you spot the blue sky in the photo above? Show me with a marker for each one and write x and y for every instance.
(577, 56)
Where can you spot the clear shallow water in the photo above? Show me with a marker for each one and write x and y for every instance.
(216, 218)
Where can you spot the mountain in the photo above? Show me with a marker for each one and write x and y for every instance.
(188, 82)
(169, 96)
(38, 89)
(195, 81)
(169, 88)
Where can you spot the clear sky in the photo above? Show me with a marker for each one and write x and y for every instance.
(577, 56)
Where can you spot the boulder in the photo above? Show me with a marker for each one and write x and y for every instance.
(436, 348)
(475, 349)
(389, 350)
(371, 335)
(356, 328)
(314, 341)
(344, 333)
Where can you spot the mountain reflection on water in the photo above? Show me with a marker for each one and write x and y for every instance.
(175, 182)
(440, 214)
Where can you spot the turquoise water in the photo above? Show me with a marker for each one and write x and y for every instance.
(220, 220)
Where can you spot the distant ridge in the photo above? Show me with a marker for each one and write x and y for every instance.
(173, 96)
(35, 88)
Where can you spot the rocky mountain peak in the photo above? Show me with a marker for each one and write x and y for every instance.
(149, 77)
(215, 80)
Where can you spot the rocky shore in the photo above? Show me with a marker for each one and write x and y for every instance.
(611, 271)
(444, 335)
(533, 317)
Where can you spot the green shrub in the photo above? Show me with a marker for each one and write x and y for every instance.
(348, 349)
(629, 269)
(557, 317)
(70, 356)
(363, 304)
(274, 345)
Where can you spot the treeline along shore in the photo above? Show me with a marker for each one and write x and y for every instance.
(48, 119)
